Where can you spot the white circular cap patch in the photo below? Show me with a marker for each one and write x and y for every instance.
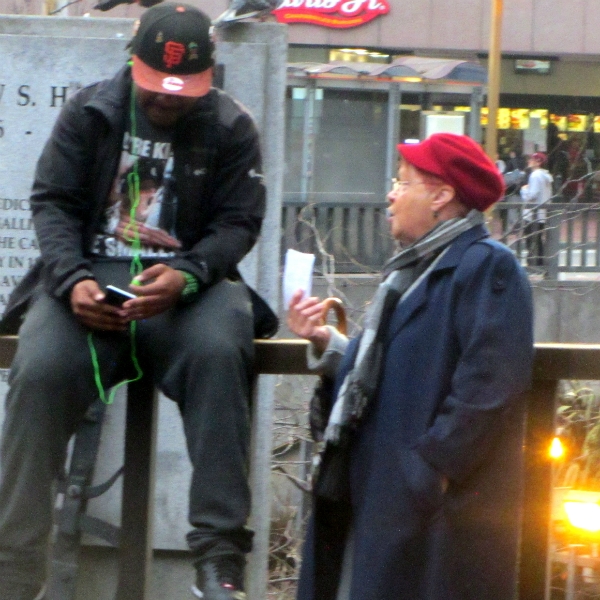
(172, 84)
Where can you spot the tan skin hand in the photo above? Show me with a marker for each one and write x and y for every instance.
(305, 320)
(160, 288)
(87, 303)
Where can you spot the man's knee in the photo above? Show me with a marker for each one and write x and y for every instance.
(48, 369)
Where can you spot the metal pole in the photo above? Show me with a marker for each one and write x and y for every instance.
(571, 583)
(260, 482)
(308, 143)
(537, 493)
(491, 141)
(475, 120)
(262, 89)
(571, 572)
(393, 132)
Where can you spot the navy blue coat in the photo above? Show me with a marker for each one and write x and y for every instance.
(458, 360)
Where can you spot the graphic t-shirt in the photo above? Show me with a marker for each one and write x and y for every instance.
(141, 209)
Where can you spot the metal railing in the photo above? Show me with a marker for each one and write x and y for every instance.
(553, 362)
(571, 231)
(356, 233)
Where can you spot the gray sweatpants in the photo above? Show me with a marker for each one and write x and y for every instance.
(199, 355)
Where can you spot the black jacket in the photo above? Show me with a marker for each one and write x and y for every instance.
(218, 174)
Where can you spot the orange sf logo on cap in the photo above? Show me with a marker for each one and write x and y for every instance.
(174, 52)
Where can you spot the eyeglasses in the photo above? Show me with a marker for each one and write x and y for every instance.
(399, 185)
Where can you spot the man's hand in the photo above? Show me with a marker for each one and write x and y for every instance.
(87, 303)
(162, 292)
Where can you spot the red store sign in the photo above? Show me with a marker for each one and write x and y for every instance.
(338, 14)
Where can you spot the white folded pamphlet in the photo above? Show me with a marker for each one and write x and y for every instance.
(297, 274)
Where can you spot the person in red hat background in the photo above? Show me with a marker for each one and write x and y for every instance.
(538, 191)
(417, 495)
(158, 125)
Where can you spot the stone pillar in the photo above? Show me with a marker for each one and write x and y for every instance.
(254, 57)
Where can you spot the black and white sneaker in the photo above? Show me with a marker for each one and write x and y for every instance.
(220, 578)
(41, 594)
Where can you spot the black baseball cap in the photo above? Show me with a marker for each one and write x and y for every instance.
(173, 51)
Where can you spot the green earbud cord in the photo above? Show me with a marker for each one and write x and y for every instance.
(131, 234)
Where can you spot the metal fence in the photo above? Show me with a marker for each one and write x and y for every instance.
(356, 234)
(570, 231)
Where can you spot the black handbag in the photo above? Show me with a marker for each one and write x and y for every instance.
(266, 322)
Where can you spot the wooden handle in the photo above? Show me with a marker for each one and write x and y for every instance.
(337, 306)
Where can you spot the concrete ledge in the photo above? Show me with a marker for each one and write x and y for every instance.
(69, 27)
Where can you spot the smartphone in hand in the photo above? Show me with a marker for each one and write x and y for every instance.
(116, 296)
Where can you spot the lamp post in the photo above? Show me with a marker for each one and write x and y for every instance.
(51, 6)
(491, 138)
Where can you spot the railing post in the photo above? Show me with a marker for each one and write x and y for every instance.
(537, 497)
(137, 511)
(552, 251)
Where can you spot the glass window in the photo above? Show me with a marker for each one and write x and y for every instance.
(348, 145)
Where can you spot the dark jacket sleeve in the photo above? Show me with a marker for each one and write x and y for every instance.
(238, 201)
(494, 328)
(60, 197)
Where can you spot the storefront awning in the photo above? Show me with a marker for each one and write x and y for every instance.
(425, 68)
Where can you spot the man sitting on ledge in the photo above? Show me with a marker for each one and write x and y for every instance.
(179, 236)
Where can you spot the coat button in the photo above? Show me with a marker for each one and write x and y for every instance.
(499, 284)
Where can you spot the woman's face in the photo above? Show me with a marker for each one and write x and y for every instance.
(410, 211)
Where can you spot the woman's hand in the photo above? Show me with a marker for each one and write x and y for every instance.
(305, 319)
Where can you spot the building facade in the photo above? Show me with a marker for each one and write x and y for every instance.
(564, 33)
(342, 127)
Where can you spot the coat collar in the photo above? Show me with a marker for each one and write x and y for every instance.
(460, 245)
(111, 97)
(450, 260)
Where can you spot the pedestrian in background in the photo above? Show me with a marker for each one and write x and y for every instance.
(538, 191)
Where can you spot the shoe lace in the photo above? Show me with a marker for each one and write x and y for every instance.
(229, 569)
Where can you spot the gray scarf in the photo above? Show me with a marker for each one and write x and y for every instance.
(401, 275)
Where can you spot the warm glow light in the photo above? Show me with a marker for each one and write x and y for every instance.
(557, 449)
(583, 515)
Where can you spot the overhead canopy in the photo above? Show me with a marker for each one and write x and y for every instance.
(425, 68)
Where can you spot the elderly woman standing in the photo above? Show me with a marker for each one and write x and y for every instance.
(418, 493)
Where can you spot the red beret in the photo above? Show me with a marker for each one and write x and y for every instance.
(460, 162)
